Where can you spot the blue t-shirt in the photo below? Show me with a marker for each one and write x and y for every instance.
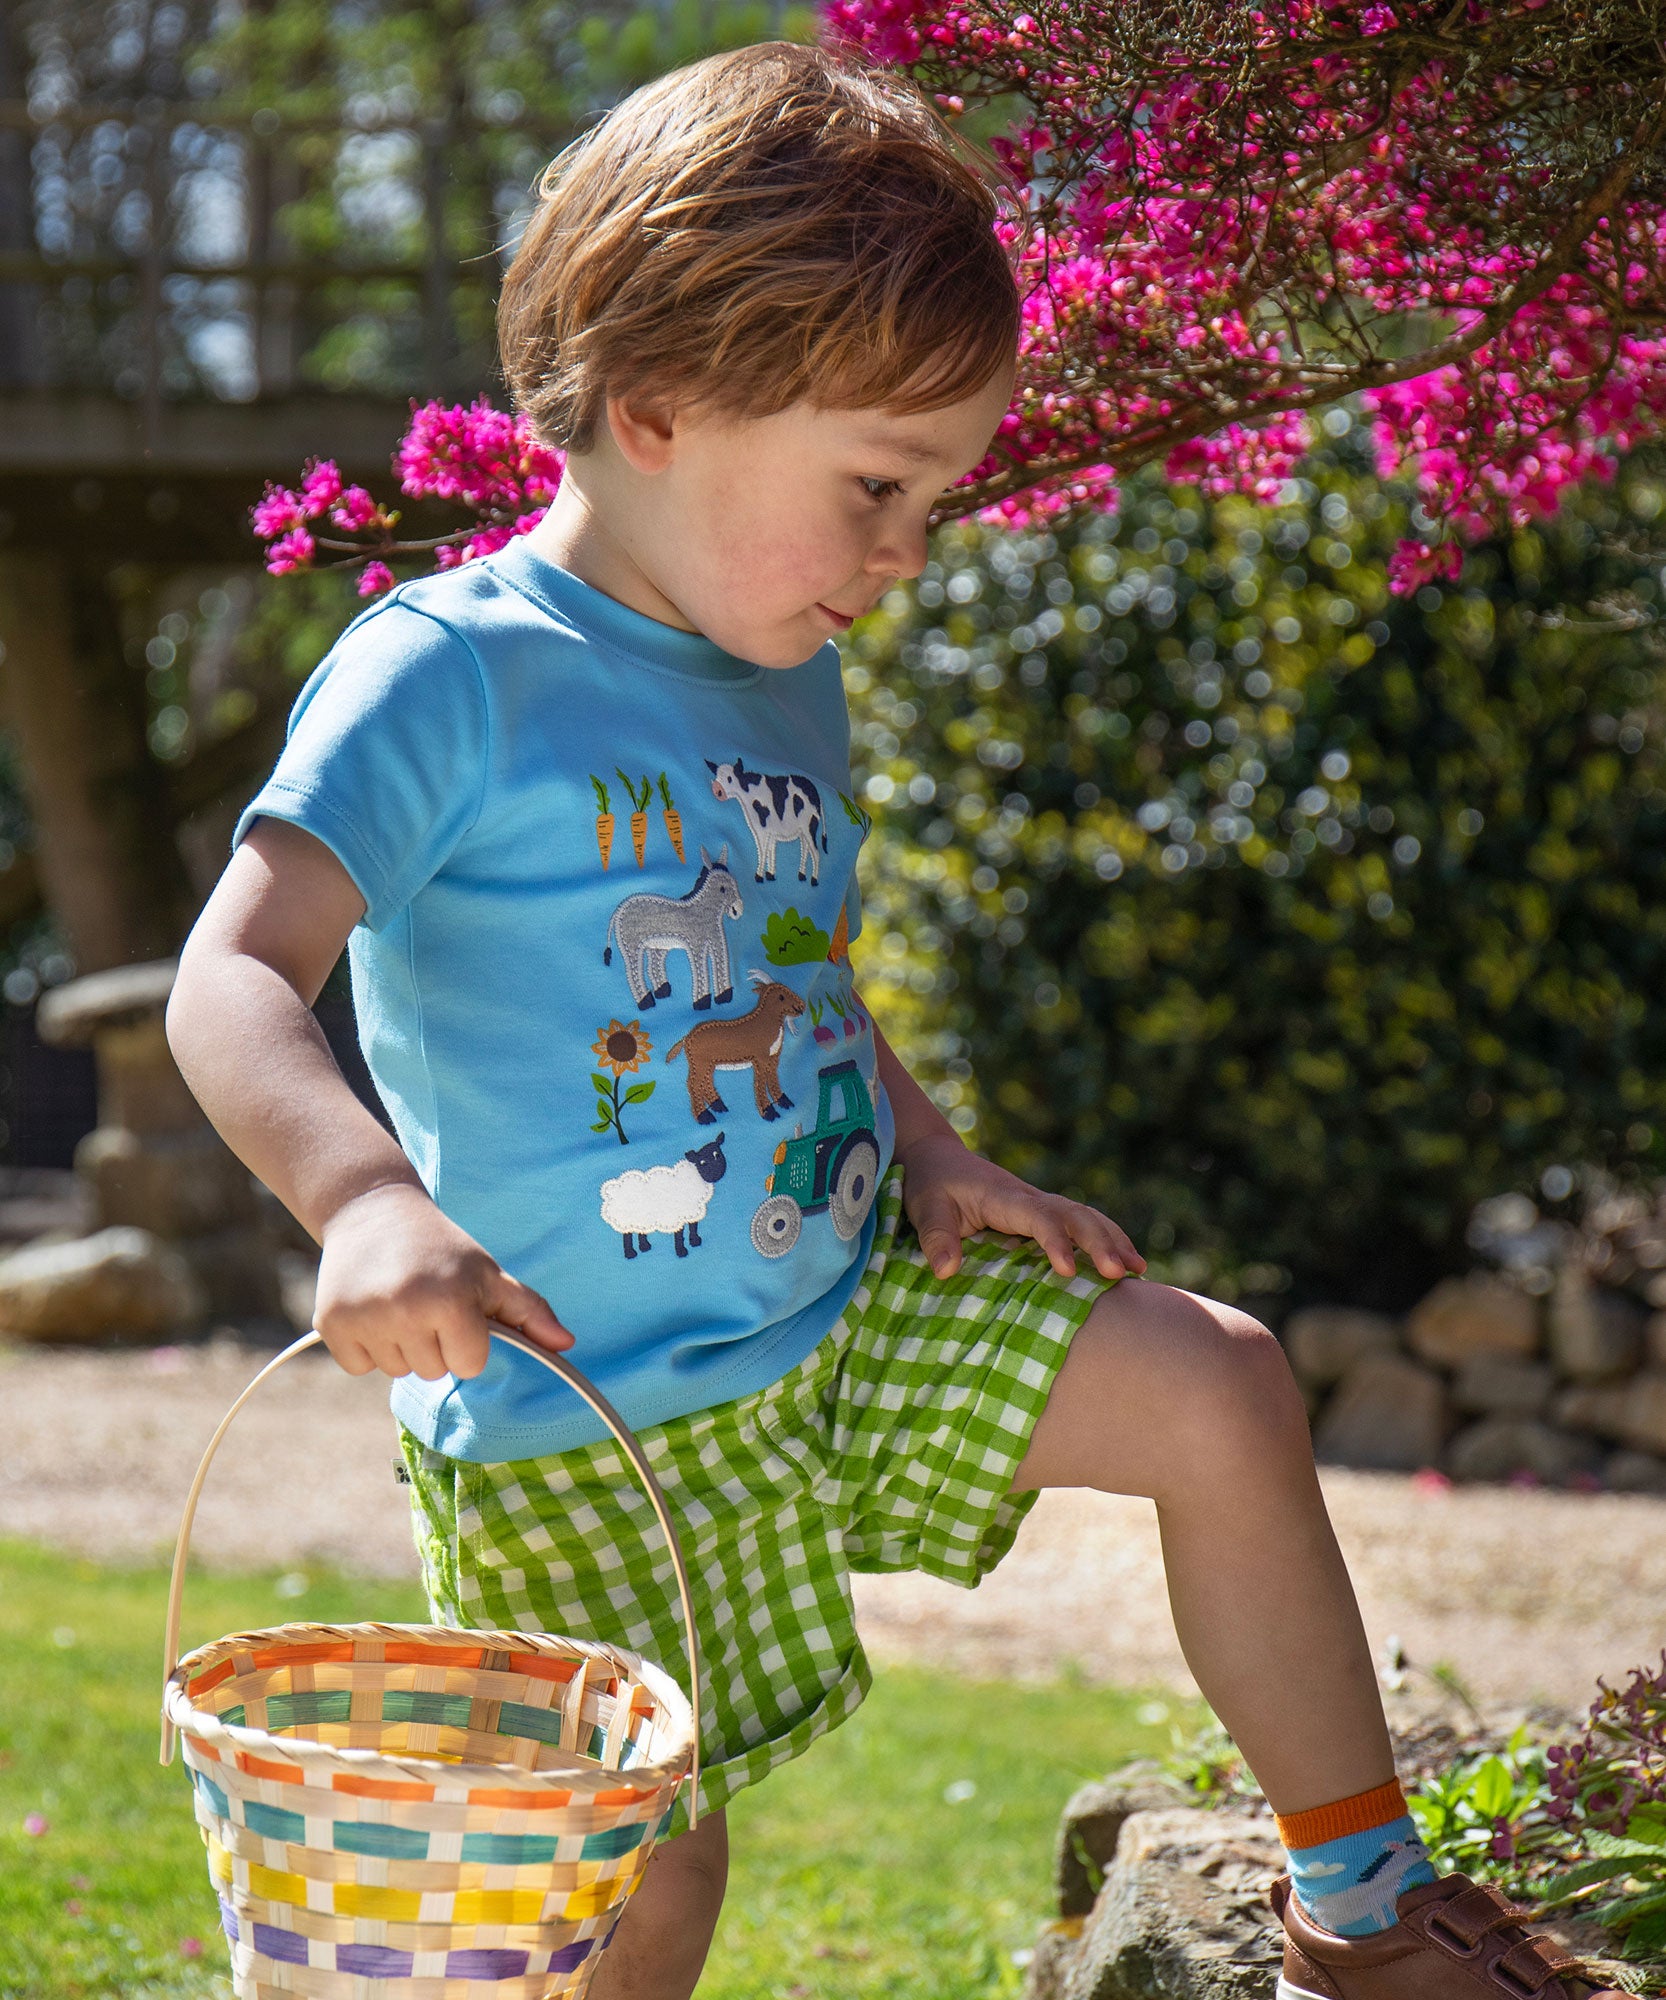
(602, 978)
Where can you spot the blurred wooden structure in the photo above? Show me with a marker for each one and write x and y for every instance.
(142, 389)
(171, 336)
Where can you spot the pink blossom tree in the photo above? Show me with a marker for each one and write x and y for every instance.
(1230, 216)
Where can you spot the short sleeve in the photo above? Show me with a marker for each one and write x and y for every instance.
(385, 755)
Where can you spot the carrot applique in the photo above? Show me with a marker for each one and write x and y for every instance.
(604, 820)
(673, 818)
(639, 816)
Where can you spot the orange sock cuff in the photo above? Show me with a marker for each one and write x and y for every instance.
(1359, 1814)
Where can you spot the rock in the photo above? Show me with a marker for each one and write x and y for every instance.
(238, 1273)
(1596, 1334)
(176, 1186)
(1183, 1915)
(1324, 1342)
(36, 1200)
(1501, 1385)
(72, 1014)
(119, 1284)
(1091, 1825)
(1389, 1415)
(1479, 1314)
(1051, 1959)
(1497, 1447)
(1644, 1422)
(1636, 1472)
(1601, 1411)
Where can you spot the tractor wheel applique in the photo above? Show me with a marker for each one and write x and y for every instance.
(834, 1167)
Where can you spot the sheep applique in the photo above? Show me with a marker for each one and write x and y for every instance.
(670, 1199)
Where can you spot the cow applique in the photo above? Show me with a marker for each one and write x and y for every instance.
(779, 806)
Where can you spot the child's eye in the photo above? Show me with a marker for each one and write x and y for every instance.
(886, 488)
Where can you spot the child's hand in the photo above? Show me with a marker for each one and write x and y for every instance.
(949, 1191)
(403, 1289)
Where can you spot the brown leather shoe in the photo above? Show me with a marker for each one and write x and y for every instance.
(1456, 1940)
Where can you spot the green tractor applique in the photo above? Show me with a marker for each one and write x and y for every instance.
(835, 1167)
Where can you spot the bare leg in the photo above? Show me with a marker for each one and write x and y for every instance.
(1190, 1403)
(659, 1945)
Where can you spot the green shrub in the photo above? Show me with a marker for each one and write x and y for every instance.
(1279, 919)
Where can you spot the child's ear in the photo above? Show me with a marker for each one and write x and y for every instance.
(643, 431)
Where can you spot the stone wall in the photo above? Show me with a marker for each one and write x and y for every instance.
(1551, 1368)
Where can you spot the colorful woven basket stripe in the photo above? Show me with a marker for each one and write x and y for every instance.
(331, 1854)
(410, 1811)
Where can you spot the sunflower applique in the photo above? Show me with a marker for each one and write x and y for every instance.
(621, 1048)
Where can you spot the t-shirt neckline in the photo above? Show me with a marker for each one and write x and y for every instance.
(649, 641)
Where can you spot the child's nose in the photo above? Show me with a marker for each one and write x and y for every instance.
(903, 552)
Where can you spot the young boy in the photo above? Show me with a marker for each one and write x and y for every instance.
(579, 812)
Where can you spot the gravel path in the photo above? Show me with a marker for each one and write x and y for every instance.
(1529, 1595)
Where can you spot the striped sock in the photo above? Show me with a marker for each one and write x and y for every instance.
(1349, 1862)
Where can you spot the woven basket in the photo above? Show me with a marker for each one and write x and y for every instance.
(422, 1812)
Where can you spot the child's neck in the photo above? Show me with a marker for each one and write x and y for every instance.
(574, 535)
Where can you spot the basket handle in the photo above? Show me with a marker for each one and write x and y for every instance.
(574, 1380)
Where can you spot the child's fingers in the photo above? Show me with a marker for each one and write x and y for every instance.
(938, 1227)
(1110, 1247)
(423, 1353)
(529, 1312)
(1060, 1226)
(463, 1345)
(1057, 1239)
(352, 1355)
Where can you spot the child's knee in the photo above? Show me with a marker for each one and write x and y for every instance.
(691, 1871)
(1246, 1403)
(1212, 1388)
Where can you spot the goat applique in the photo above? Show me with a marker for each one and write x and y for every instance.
(647, 927)
(779, 806)
(745, 1041)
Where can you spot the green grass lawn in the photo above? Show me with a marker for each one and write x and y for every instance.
(908, 1854)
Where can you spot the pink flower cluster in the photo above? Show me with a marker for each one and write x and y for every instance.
(1204, 261)
(478, 458)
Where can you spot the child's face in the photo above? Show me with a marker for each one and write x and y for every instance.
(772, 534)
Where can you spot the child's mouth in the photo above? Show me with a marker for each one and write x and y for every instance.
(838, 617)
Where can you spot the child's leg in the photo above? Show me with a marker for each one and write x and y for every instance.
(1172, 1396)
(1191, 1404)
(660, 1942)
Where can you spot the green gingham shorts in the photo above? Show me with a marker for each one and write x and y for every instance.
(891, 1446)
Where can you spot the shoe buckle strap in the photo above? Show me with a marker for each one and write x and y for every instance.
(1461, 1924)
(1530, 1966)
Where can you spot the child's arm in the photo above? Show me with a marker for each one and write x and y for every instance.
(948, 1191)
(400, 1286)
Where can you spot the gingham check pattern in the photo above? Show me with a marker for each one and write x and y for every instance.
(890, 1447)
